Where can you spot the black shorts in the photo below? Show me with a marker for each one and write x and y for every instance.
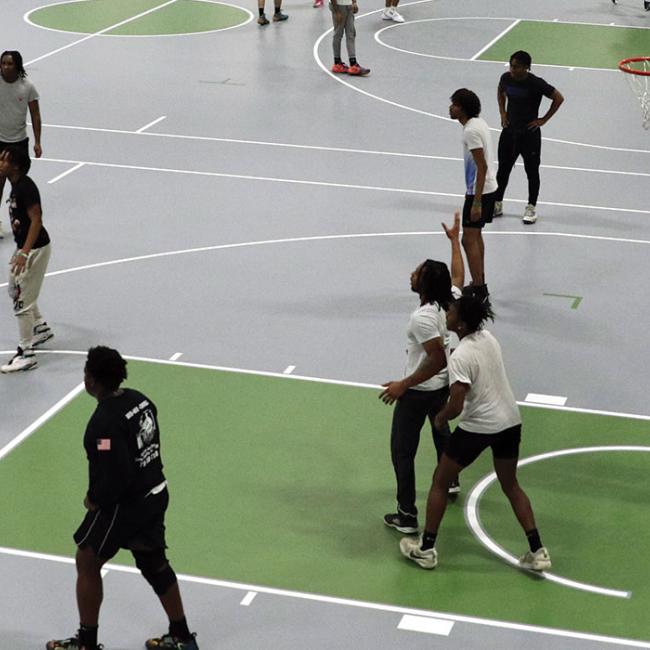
(22, 144)
(487, 210)
(138, 525)
(465, 447)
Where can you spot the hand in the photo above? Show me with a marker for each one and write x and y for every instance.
(89, 505)
(18, 263)
(355, 8)
(38, 151)
(454, 232)
(504, 121)
(393, 390)
(439, 423)
(475, 213)
(535, 124)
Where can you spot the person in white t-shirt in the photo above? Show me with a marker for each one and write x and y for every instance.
(17, 95)
(480, 394)
(480, 181)
(425, 387)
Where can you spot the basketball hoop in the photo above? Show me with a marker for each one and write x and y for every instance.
(637, 71)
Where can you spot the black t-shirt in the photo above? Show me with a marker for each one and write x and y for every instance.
(524, 98)
(122, 443)
(24, 194)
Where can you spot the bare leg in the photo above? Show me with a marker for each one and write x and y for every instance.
(172, 603)
(89, 586)
(506, 469)
(443, 476)
(475, 252)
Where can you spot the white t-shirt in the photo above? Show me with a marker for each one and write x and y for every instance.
(427, 322)
(490, 405)
(14, 98)
(476, 135)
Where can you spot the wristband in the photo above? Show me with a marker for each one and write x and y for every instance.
(22, 254)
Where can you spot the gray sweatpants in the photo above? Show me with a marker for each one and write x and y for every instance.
(24, 290)
(347, 26)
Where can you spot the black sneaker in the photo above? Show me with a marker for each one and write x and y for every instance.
(262, 20)
(71, 643)
(407, 524)
(454, 489)
(277, 17)
(646, 4)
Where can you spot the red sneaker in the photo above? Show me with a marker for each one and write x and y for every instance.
(318, 3)
(357, 71)
(340, 68)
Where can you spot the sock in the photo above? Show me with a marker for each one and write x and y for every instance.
(261, 10)
(428, 540)
(534, 541)
(337, 60)
(480, 290)
(353, 61)
(179, 630)
(88, 636)
(277, 10)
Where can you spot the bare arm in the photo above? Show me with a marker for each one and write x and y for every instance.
(35, 114)
(431, 365)
(19, 260)
(556, 101)
(457, 264)
(501, 100)
(454, 406)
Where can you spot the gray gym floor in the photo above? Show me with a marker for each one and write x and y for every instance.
(334, 190)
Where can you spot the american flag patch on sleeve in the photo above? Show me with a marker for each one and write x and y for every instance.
(103, 444)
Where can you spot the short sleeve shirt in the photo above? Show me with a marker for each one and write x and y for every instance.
(476, 135)
(524, 98)
(24, 194)
(490, 405)
(427, 322)
(14, 100)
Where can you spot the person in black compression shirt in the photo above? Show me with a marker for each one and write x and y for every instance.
(126, 503)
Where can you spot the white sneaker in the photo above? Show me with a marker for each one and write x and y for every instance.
(42, 333)
(410, 549)
(540, 560)
(397, 18)
(498, 209)
(387, 14)
(530, 215)
(22, 360)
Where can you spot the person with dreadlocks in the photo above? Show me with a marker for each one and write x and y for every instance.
(17, 94)
(481, 395)
(126, 502)
(425, 387)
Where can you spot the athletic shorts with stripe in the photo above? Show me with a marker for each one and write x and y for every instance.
(487, 210)
(464, 447)
(134, 525)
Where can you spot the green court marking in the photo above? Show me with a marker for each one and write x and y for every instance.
(181, 17)
(576, 299)
(283, 483)
(587, 46)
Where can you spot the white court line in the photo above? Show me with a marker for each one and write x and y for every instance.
(298, 181)
(352, 86)
(288, 370)
(64, 174)
(496, 38)
(308, 147)
(248, 598)
(290, 240)
(99, 33)
(323, 380)
(555, 400)
(176, 356)
(473, 620)
(21, 437)
(473, 520)
(425, 624)
(147, 126)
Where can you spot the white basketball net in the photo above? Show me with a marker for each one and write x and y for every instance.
(640, 84)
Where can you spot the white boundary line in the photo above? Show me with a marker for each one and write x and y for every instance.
(298, 181)
(496, 38)
(29, 21)
(142, 129)
(290, 240)
(339, 79)
(65, 173)
(308, 147)
(21, 437)
(474, 523)
(521, 627)
(100, 32)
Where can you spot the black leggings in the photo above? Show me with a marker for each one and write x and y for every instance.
(528, 145)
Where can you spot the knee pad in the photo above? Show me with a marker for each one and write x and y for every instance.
(155, 569)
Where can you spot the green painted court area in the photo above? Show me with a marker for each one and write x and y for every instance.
(283, 483)
(180, 17)
(571, 44)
